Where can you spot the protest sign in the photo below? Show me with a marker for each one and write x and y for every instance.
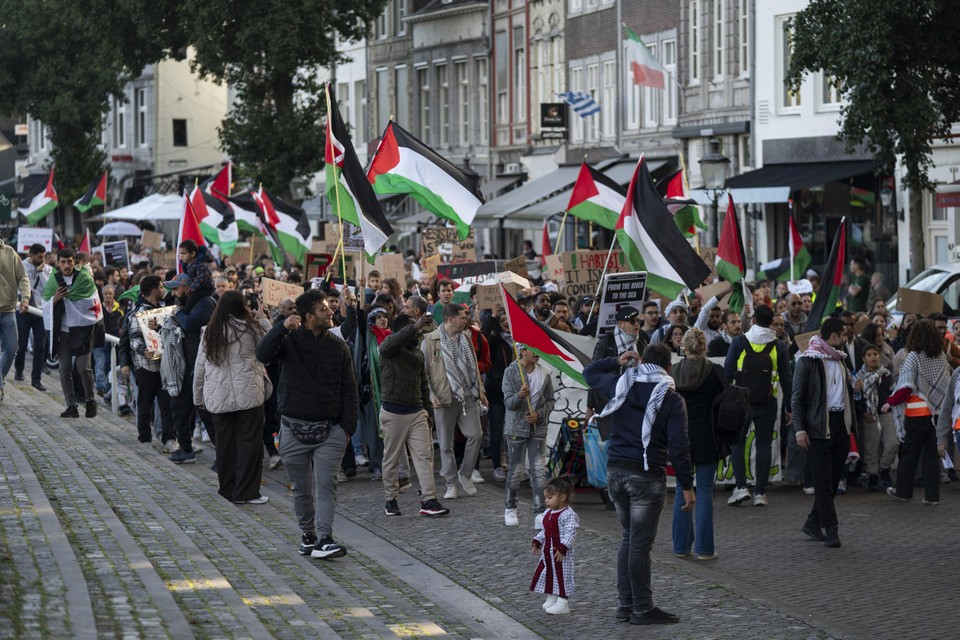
(151, 337)
(433, 239)
(274, 292)
(390, 265)
(151, 239)
(619, 290)
(803, 339)
(554, 268)
(920, 302)
(115, 254)
(582, 270)
(518, 266)
(709, 257)
(316, 265)
(29, 236)
(430, 264)
(489, 295)
(711, 290)
(469, 272)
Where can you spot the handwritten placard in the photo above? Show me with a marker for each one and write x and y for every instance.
(275, 292)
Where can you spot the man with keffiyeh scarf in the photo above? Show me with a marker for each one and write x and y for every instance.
(648, 421)
(823, 414)
(626, 336)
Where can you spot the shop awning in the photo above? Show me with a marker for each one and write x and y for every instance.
(490, 189)
(530, 193)
(775, 182)
(948, 195)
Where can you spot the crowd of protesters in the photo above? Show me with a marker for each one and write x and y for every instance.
(375, 378)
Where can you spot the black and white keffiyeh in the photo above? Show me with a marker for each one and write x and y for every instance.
(461, 366)
(642, 373)
(625, 341)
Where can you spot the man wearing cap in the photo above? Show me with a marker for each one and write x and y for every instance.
(181, 404)
(676, 313)
(579, 322)
(626, 336)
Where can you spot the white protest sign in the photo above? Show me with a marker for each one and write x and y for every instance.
(29, 236)
(619, 290)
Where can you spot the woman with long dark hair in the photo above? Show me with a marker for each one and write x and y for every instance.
(230, 383)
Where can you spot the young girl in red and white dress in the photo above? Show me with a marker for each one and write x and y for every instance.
(554, 543)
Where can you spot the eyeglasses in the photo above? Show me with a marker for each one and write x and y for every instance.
(634, 321)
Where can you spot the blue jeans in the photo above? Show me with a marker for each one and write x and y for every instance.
(685, 532)
(8, 343)
(101, 363)
(27, 323)
(639, 499)
(529, 451)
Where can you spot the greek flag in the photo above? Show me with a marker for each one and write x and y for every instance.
(581, 102)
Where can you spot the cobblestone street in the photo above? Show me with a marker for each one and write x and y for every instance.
(101, 536)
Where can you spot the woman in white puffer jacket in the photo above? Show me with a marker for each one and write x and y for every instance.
(232, 385)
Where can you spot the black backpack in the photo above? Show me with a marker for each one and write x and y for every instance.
(756, 373)
(730, 411)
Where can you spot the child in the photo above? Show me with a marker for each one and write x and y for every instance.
(195, 261)
(554, 543)
(877, 428)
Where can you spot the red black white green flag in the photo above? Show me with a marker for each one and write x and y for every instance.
(220, 185)
(217, 221)
(791, 267)
(96, 195)
(676, 195)
(39, 198)
(596, 198)
(189, 227)
(829, 293)
(731, 258)
(404, 164)
(289, 222)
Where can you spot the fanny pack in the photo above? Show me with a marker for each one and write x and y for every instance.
(308, 432)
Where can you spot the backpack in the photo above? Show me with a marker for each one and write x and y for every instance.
(755, 372)
(731, 410)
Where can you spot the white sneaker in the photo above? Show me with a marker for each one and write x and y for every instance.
(276, 462)
(341, 476)
(559, 607)
(197, 447)
(205, 437)
(510, 518)
(476, 477)
(538, 521)
(549, 602)
(452, 493)
(842, 487)
(467, 485)
(760, 500)
(170, 446)
(361, 460)
(739, 495)
(809, 491)
(196, 433)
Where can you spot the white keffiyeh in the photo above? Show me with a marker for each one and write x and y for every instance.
(642, 373)
(461, 366)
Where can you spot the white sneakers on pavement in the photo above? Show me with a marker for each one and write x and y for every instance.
(467, 485)
(510, 518)
(739, 496)
(476, 477)
(760, 500)
(452, 493)
(558, 607)
(549, 602)
(170, 446)
(499, 474)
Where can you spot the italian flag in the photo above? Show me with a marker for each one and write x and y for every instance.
(96, 195)
(404, 164)
(792, 267)
(651, 241)
(350, 194)
(217, 222)
(676, 194)
(596, 198)
(829, 293)
(553, 350)
(38, 200)
(731, 258)
(644, 68)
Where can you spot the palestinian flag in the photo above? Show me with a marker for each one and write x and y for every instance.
(731, 258)
(96, 195)
(350, 194)
(289, 223)
(828, 295)
(644, 68)
(546, 249)
(189, 228)
(246, 213)
(651, 242)
(85, 244)
(685, 211)
(217, 222)
(219, 186)
(596, 198)
(792, 267)
(81, 306)
(268, 221)
(404, 164)
(553, 350)
(38, 199)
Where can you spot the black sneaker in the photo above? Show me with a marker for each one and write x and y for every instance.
(18, 376)
(654, 616)
(328, 549)
(71, 412)
(183, 457)
(873, 483)
(624, 613)
(885, 478)
(307, 543)
(391, 508)
(813, 531)
(433, 509)
(832, 538)
(91, 411)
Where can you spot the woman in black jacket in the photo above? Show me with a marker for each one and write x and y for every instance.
(497, 331)
(698, 381)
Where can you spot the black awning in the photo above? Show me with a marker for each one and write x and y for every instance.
(801, 175)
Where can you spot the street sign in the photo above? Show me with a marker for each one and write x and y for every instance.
(5, 208)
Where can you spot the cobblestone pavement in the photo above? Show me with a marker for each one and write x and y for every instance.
(101, 536)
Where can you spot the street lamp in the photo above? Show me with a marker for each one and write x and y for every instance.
(298, 189)
(713, 167)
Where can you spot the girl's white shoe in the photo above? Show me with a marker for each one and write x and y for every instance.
(560, 606)
(549, 602)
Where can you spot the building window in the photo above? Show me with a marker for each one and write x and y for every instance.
(501, 79)
(383, 99)
(360, 113)
(380, 28)
(483, 85)
(443, 82)
(576, 6)
(694, 41)
(651, 98)
(576, 84)
(789, 99)
(669, 61)
(400, 100)
(41, 136)
(746, 157)
(541, 72)
(119, 123)
(140, 99)
(463, 104)
(719, 57)
(829, 92)
(423, 82)
(401, 13)
(179, 132)
(744, 38)
(591, 4)
(593, 88)
(609, 114)
(519, 77)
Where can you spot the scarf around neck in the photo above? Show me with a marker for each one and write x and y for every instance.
(819, 349)
(625, 341)
(648, 374)
(871, 386)
(460, 365)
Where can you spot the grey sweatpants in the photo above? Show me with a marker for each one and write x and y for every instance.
(312, 470)
(448, 419)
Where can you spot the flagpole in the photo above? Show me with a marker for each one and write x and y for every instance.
(686, 191)
(336, 188)
(520, 369)
(556, 248)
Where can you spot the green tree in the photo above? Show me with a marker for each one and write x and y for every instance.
(898, 69)
(61, 61)
(270, 51)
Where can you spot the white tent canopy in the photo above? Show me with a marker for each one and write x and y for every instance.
(119, 228)
(153, 208)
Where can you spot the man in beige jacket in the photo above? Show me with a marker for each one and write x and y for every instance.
(13, 280)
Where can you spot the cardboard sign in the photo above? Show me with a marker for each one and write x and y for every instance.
(351, 259)
(709, 257)
(469, 272)
(150, 336)
(430, 264)
(921, 302)
(554, 268)
(275, 292)
(29, 236)
(619, 290)
(518, 266)
(803, 339)
(490, 297)
(582, 270)
(435, 239)
(115, 254)
(151, 239)
(711, 290)
(390, 265)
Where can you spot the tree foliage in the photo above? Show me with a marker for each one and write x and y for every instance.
(270, 52)
(898, 69)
